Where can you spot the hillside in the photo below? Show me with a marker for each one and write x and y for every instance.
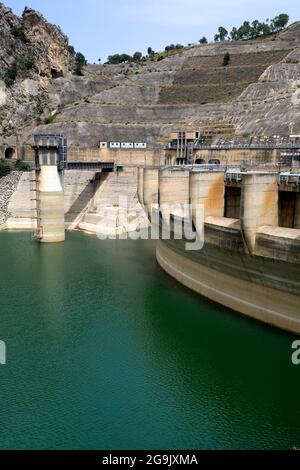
(258, 92)
(32, 52)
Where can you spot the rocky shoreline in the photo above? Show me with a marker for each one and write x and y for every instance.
(8, 185)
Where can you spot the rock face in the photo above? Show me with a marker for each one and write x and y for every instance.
(33, 51)
(31, 35)
(8, 185)
(50, 47)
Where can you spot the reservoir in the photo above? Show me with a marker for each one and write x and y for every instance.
(106, 351)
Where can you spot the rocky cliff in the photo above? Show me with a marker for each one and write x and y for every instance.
(32, 51)
(258, 92)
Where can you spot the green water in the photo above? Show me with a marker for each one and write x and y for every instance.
(105, 351)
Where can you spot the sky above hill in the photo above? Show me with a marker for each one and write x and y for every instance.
(101, 27)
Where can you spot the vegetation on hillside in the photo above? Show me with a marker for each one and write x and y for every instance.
(245, 32)
(6, 168)
(253, 30)
(19, 69)
(80, 63)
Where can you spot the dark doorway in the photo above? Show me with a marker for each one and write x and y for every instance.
(200, 161)
(9, 153)
(232, 202)
(287, 209)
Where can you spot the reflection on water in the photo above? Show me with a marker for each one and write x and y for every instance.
(104, 350)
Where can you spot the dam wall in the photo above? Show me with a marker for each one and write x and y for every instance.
(233, 156)
(249, 262)
(115, 209)
(79, 188)
(136, 157)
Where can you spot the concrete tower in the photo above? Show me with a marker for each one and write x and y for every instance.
(50, 161)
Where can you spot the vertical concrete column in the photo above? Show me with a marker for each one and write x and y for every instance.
(208, 188)
(174, 186)
(50, 205)
(174, 194)
(259, 205)
(150, 187)
(141, 184)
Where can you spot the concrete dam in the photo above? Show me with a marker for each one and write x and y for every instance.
(250, 261)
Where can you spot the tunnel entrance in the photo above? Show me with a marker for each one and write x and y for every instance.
(289, 209)
(200, 161)
(9, 153)
(214, 161)
(232, 202)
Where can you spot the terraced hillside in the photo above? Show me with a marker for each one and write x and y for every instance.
(204, 79)
(258, 92)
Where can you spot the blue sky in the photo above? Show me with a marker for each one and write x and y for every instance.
(102, 27)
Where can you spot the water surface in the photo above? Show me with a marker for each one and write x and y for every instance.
(106, 351)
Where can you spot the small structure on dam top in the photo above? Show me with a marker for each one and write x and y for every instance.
(50, 162)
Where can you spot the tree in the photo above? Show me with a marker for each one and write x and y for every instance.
(119, 59)
(223, 33)
(217, 38)
(203, 40)
(226, 59)
(280, 21)
(137, 56)
(233, 34)
(71, 50)
(179, 46)
(80, 62)
(150, 52)
(171, 47)
(244, 31)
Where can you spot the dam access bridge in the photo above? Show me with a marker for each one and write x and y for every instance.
(50, 162)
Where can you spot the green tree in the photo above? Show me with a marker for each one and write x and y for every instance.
(217, 38)
(203, 40)
(233, 33)
(223, 33)
(226, 59)
(280, 21)
(150, 52)
(137, 56)
(80, 62)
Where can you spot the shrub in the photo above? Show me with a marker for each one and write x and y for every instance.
(10, 75)
(4, 168)
(226, 59)
(20, 165)
(18, 33)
